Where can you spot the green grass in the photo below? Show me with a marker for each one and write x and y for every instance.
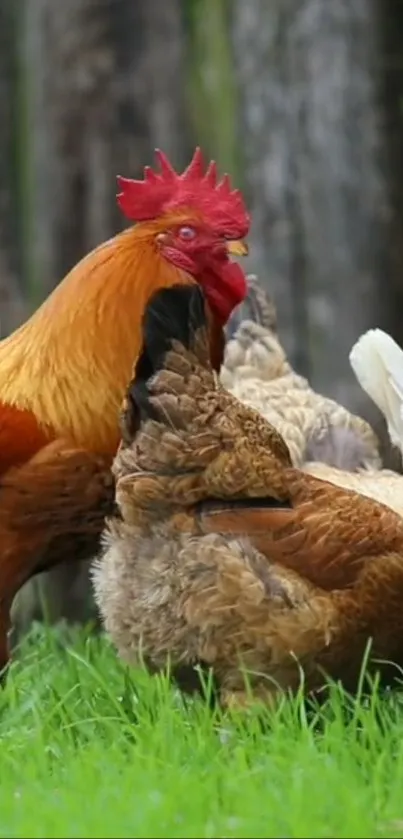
(90, 750)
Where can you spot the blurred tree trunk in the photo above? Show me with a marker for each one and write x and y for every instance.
(211, 87)
(11, 302)
(103, 92)
(391, 74)
(315, 148)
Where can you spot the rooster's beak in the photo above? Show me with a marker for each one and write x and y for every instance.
(237, 248)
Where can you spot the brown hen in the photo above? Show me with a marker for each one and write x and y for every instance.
(223, 554)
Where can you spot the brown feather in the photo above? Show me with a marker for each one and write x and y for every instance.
(227, 556)
(52, 509)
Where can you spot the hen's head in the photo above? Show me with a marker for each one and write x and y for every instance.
(196, 222)
(186, 441)
(257, 307)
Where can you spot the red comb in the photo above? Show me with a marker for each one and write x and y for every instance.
(196, 188)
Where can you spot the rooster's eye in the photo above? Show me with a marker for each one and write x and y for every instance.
(187, 232)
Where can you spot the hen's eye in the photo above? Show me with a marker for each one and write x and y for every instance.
(187, 232)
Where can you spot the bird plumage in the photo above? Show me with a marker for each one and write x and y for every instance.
(377, 362)
(63, 373)
(224, 554)
(257, 371)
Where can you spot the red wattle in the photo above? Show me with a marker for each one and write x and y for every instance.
(225, 288)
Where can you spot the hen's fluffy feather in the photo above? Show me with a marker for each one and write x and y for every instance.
(256, 370)
(224, 554)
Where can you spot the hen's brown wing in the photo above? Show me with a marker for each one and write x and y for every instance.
(326, 534)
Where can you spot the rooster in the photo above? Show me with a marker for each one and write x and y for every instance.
(64, 372)
(222, 553)
(256, 370)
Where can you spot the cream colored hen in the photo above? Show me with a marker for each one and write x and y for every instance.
(324, 439)
(377, 362)
(256, 370)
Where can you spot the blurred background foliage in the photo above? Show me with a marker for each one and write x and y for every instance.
(300, 100)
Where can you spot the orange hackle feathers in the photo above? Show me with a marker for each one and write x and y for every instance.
(159, 193)
(69, 364)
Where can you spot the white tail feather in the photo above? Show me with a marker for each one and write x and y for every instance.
(377, 362)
